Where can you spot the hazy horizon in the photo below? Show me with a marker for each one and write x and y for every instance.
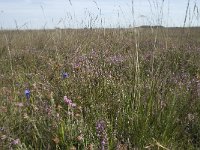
(49, 14)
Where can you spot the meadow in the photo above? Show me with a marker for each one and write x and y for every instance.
(116, 89)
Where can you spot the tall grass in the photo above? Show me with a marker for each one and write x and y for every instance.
(100, 88)
(146, 95)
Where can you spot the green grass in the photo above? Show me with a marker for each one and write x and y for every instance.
(143, 83)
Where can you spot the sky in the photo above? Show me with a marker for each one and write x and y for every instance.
(37, 14)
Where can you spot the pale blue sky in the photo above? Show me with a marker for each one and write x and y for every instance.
(98, 13)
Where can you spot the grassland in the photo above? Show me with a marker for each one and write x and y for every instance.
(124, 89)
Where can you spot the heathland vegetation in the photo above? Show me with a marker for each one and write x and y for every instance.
(100, 89)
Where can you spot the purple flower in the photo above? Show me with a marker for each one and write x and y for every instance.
(73, 105)
(65, 75)
(69, 102)
(100, 126)
(101, 133)
(27, 94)
(16, 142)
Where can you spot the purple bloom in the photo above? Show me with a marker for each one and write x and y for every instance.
(101, 133)
(16, 142)
(65, 75)
(27, 94)
(69, 102)
(73, 105)
(100, 126)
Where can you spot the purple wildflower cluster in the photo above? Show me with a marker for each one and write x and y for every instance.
(101, 134)
(116, 59)
(69, 102)
(86, 63)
